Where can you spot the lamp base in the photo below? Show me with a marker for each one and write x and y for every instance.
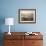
(9, 33)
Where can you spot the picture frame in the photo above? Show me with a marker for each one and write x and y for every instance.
(27, 15)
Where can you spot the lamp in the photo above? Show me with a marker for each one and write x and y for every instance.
(9, 21)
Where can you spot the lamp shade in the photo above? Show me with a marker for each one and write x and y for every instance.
(9, 21)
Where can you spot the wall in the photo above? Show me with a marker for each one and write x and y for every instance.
(9, 8)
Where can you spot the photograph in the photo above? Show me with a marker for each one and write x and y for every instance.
(27, 15)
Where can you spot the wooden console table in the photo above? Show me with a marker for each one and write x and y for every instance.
(20, 39)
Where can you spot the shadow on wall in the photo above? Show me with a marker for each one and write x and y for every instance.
(2, 21)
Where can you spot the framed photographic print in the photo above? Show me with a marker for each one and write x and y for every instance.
(27, 15)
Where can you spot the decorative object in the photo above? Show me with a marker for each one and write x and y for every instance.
(9, 21)
(30, 33)
(27, 15)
